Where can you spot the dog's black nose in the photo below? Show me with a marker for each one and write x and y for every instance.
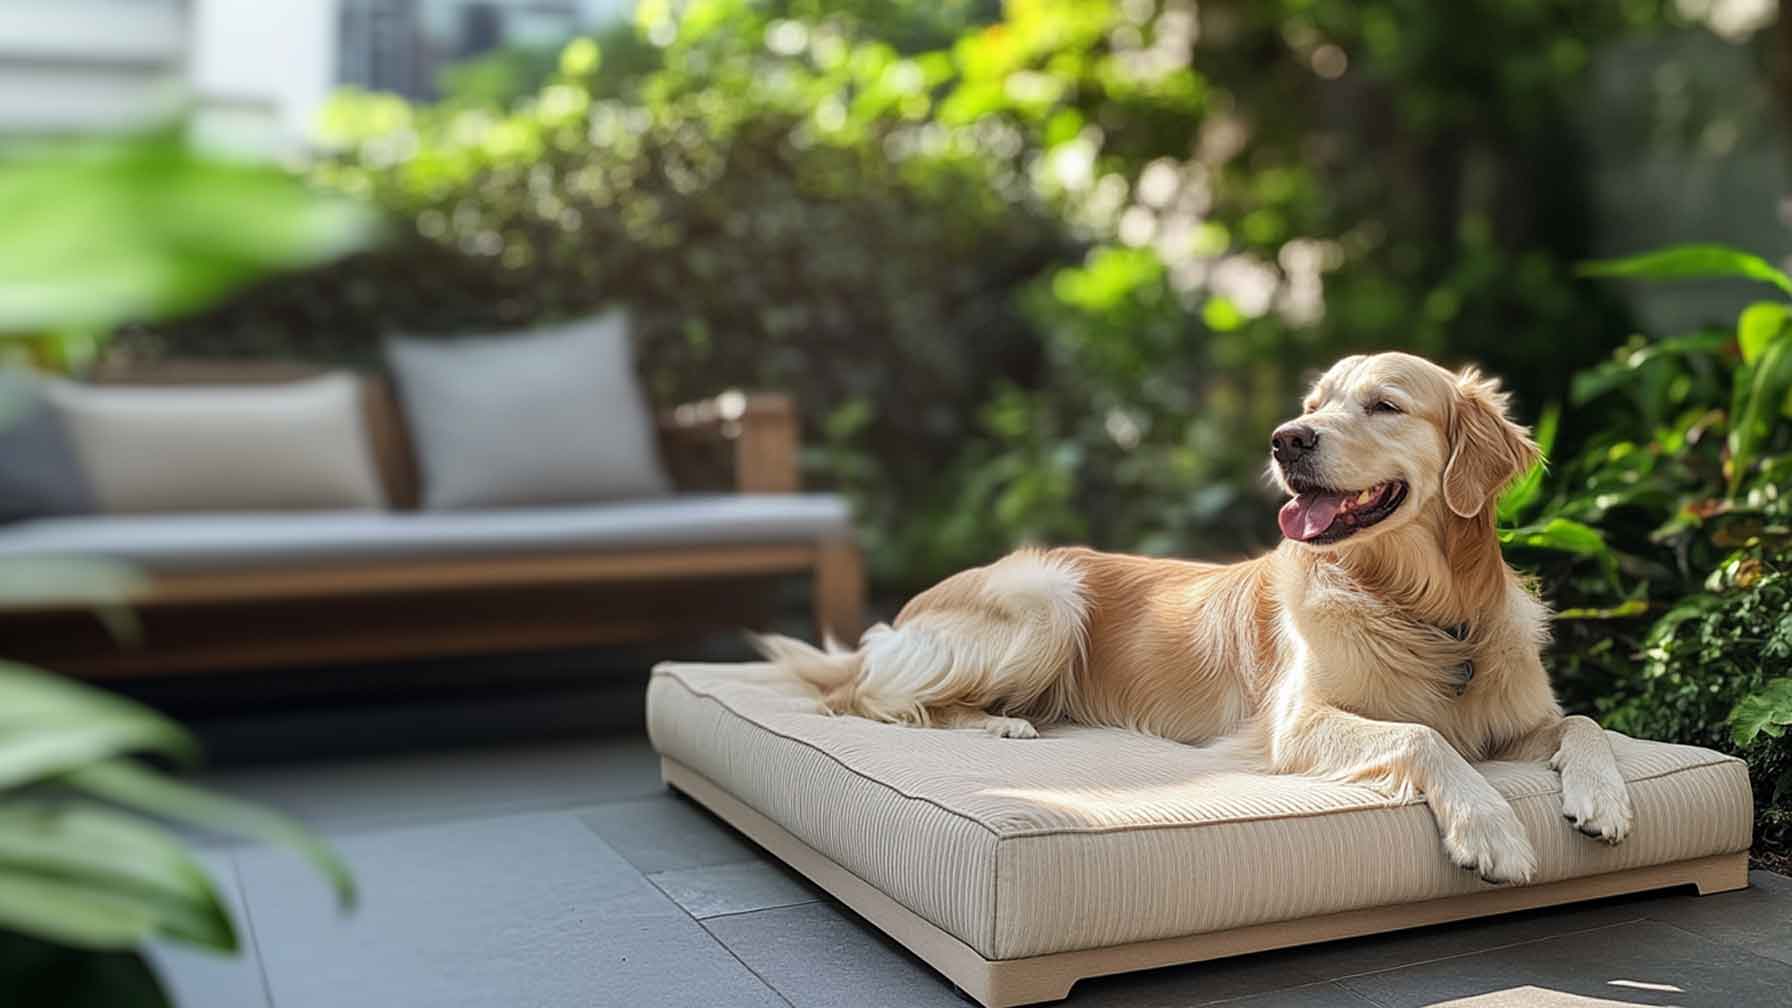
(1291, 441)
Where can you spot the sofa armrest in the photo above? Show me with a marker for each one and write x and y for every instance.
(762, 428)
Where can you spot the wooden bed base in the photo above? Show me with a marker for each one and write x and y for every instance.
(1002, 983)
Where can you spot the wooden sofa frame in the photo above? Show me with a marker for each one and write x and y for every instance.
(391, 609)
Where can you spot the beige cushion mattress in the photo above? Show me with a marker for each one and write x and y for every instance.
(1091, 837)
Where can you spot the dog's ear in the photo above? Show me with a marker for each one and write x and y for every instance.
(1487, 450)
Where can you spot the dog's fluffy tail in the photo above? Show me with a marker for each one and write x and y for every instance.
(831, 668)
(1003, 638)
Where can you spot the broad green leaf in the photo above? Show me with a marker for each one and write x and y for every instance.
(1769, 380)
(32, 753)
(94, 233)
(1559, 534)
(1758, 324)
(1767, 712)
(1524, 491)
(71, 914)
(109, 852)
(138, 787)
(50, 725)
(1690, 261)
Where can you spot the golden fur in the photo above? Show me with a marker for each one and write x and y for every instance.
(1341, 660)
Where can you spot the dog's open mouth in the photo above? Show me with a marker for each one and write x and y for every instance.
(1317, 515)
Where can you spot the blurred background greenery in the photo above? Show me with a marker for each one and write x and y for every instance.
(1042, 270)
(1050, 270)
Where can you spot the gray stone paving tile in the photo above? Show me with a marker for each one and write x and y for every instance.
(195, 978)
(714, 890)
(392, 791)
(1758, 919)
(522, 910)
(819, 956)
(1643, 962)
(666, 831)
(1373, 953)
(1319, 995)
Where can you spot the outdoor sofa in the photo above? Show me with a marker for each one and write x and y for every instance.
(306, 558)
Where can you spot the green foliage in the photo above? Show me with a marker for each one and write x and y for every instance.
(76, 868)
(1042, 270)
(1674, 591)
(101, 232)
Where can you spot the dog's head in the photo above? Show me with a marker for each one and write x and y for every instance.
(1386, 439)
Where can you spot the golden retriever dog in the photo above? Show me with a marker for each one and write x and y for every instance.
(1385, 641)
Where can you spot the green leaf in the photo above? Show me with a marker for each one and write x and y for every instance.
(1768, 380)
(145, 790)
(96, 848)
(94, 233)
(1691, 261)
(72, 915)
(1758, 324)
(1766, 712)
(1624, 610)
(1560, 534)
(49, 726)
(1524, 491)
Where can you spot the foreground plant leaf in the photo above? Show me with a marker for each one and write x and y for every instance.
(99, 232)
(49, 726)
(143, 789)
(91, 850)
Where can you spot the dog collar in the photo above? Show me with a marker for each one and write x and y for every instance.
(1464, 672)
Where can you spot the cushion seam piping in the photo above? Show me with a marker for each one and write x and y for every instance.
(830, 757)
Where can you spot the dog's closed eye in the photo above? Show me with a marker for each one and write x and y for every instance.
(1384, 406)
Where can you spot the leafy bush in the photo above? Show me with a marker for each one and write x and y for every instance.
(1664, 541)
(1048, 271)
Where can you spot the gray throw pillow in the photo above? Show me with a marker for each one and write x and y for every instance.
(549, 416)
(40, 474)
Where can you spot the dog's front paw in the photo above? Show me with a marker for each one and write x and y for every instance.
(1010, 727)
(1597, 805)
(1490, 842)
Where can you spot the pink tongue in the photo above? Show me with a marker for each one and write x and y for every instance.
(1309, 514)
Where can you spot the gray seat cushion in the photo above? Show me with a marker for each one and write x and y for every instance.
(218, 541)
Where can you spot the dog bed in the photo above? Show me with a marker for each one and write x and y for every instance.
(1017, 867)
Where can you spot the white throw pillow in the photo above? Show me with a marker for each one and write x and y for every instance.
(289, 446)
(549, 416)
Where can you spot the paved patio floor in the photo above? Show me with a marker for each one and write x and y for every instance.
(563, 874)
